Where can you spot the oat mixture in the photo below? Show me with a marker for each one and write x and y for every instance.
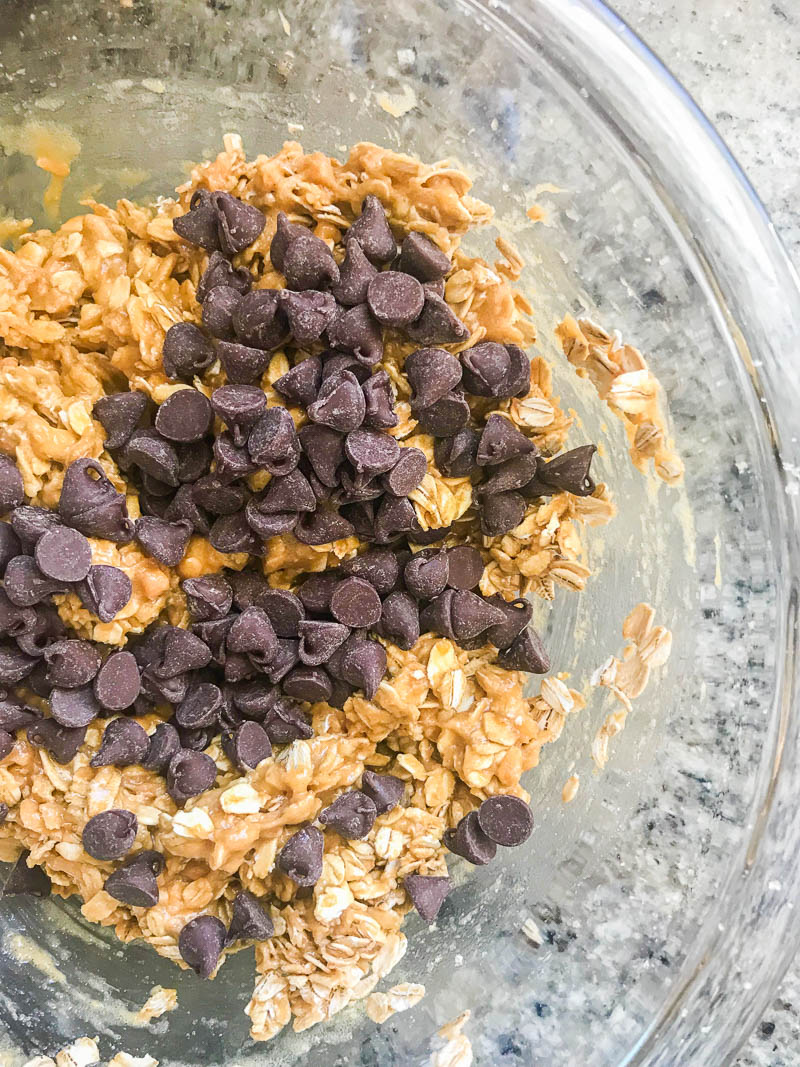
(305, 810)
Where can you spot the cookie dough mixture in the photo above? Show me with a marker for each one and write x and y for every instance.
(279, 460)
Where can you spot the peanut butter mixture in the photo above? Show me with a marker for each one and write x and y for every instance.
(83, 312)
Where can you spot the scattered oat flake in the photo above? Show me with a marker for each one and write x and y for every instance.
(398, 104)
(287, 29)
(159, 1002)
(532, 932)
(570, 790)
(458, 1050)
(381, 1006)
(80, 1053)
(154, 85)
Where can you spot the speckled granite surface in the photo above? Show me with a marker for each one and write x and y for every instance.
(741, 62)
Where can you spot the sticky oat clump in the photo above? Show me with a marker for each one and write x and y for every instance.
(86, 308)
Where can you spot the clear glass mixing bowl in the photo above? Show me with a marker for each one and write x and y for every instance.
(664, 892)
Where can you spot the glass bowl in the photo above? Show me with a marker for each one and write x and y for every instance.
(663, 893)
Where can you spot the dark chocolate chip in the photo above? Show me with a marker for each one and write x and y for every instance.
(438, 324)
(506, 820)
(274, 445)
(501, 441)
(420, 256)
(63, 554)
(371, 452)
(473, 614)
(319, 640)
(117, 683)
(432, 374)
(14, 716)
(25, 585)
(105, 591)
(200, 224)
(255, 699)
(109, 835)
(436, 288)
(500, 513)
(425, 575)
(285, 233)
(164, 743)
(300, 385)
(358, 487)
(152, 453)
(427, 893)
(201, 942)
(124, 743)
(470, 842)
(239, 407)
(301, 857)
(315, 592)
(208, 597)
(495, 370)
(6, 744)
(437, 617)
(259, 320)
(233, 462)
(569, 471)
(200, 707)
(511, 475)
(250, 920)
(384, 790)
(517, 616)
(247, 745)
(252, 631)
(372, 231)
(526, 653)
(190, 773)
(379, 567)
(14, 665)
(379, 400)
(221, 272)
(71, 663)
(218, 309)
(152, 487)
(241, 363)
(407, 474)
(446, 417)
(286, 722)
(399, 622)
(91, 504)
(195, 740)
(12, 492)
(26, 881)
(324, 449)
(15, 620)
(182, 651)
(362, 663)
(465, 567)
(307, 683)
(74, 708)
(352, 815)
(233, 533)
(29, 523)
(338, 361)
(395, 299)
(355, 603)
(185, 416)
(308, 263)
(284, 609)
(269, 525)
(291, 492)
(355, 274)
(395, 516)
(62, 742)
(4, 806)
(46, 628)
(308, 314)
(164, 541)
(238, 223)
(322, 528)
(216, 496)
(119, 415)
(133, 883)
(356, 331)
(10, 546)
(187, 352)
(361, 516)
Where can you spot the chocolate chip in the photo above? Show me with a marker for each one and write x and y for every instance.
(187, 352)
(379, 401)
(322, 528)
(250, 920)
(526, 653)
(308, 314)
(91, 504)
(63, 554)
(425, 575)
(501, 441)
(14, 716)
(25, 585)
(12, 492)
(495, 370)
(501, 513)
(506, 820)
(197, 740)
(219, 498)
(269, 525)
(372, 231)
(420, 256)
(371, 452)
(355, 603)
(407, 473)
(286, 722)
(569, 471)
(292, 492)
(105, 591)
(201, 942)
(274, 445)
(29, 523)
(200, 707)
(15, 620)
(356, 331)
(233, 462)
(208, 597)
(333, 362)
(469, 841)
(252, 631)
(45, 628)
(517, 616)
(395, 299)
(378, 567)
(239, 407)
(232, 534)
(163, 690)
(472, 614)
(10, 546)
(465, 567)
(6, 744)
(362, 663)
(446, 417)
(71, 663)
(247, 745)
(351, 815)
(74, 708)
(399, 622)
(134, 883)
(437, 617)
(152, 453)
(190, 773)
(62, 742)
(259, 321)
(185, 416)
(164, 743)
(300, 385)
(307, 683)
(395, 516)
(26, 881)
(194, 460)
(124, 743)
(509, 476)
(427, 893)
(437, 325)
(119, 414)
(164, 541)
(355, 274)
(384, 790)
(199, 224)
(242, 364)
(238, 223)
(324, 447)
(432, 374)
(456, 456)
(109, 835)
(301, 857)
(319, 640)
(284, 609)
(182, 651)
(436, 288)
(220, 272)
(308, 263)
(285, 233)
(218, 309)
(117, 683)
(152, 487)
(255, 699)
(315, 592)
(358, 487)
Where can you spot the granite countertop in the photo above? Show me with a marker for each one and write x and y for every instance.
(740, 59)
